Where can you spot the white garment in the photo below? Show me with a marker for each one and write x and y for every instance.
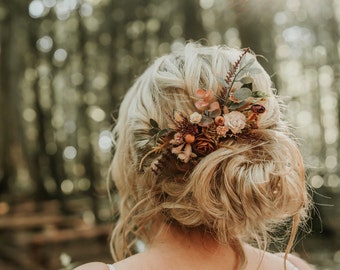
(288, 264)
(111, 267)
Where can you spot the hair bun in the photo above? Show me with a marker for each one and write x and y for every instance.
(200, 142)
(246, 188)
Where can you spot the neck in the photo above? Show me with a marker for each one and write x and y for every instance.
(192, 247)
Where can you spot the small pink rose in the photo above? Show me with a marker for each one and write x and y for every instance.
(235, 121)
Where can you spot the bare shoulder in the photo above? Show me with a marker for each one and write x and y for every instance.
(92, 266)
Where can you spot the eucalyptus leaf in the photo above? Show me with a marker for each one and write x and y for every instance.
(242, 73)
(233, 106)
(247, 80)
(255, 71)
(153, 131)
(242, 93)
(206, 121)
(248, 85)
(246, 71)
(249, 63)
(214, 113)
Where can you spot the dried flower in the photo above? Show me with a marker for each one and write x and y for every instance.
(177, 149)
(195, 118)
(222, 130)
(201, 105)
(257, 108)
(204, 146)
(235, 121)
(189, 138)
(219, 116)
(186, 154)
(219, 120)
(206, 100)
(178, 139)
(207, 96)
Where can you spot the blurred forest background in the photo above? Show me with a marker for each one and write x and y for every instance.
(64, 65)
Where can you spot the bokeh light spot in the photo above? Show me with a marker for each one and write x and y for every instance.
(317, 181)
(29, 114)
(304, 118)
(88, 217)
(105, 141)
(333, 181)
(45, 44)
(70, 152)
(60, 55)
(331, 162)
(96, 113)
(67, 186)
(83, 184)
(36, 9)
(86, 10)
(49, 3)
(206, 4)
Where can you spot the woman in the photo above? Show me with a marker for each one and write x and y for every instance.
(206, 169)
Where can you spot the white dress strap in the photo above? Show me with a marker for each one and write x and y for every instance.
(111, 267)
(290, 264)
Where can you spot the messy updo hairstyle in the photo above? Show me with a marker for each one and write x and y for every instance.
(239, 193)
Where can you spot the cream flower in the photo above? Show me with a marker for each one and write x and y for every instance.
(235, 121)
(178, 139)
(178, 149)
(195, 118)
(186, 154)
(222, 130)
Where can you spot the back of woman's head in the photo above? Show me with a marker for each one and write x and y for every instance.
(201, 144)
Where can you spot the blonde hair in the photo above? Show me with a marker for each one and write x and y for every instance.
(240, 192)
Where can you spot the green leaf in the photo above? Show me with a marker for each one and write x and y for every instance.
(235, 106)
(153, 123)
(258, 94)
(247, 80)
(242, 93)
(214, 113)
(249, 63)
(153, 131)
(255, 71)
(246, 69)
(206, 121)
(163, 132)
(160, 134)
(248, 85)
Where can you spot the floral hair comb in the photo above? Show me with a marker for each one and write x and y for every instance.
(219, 117)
